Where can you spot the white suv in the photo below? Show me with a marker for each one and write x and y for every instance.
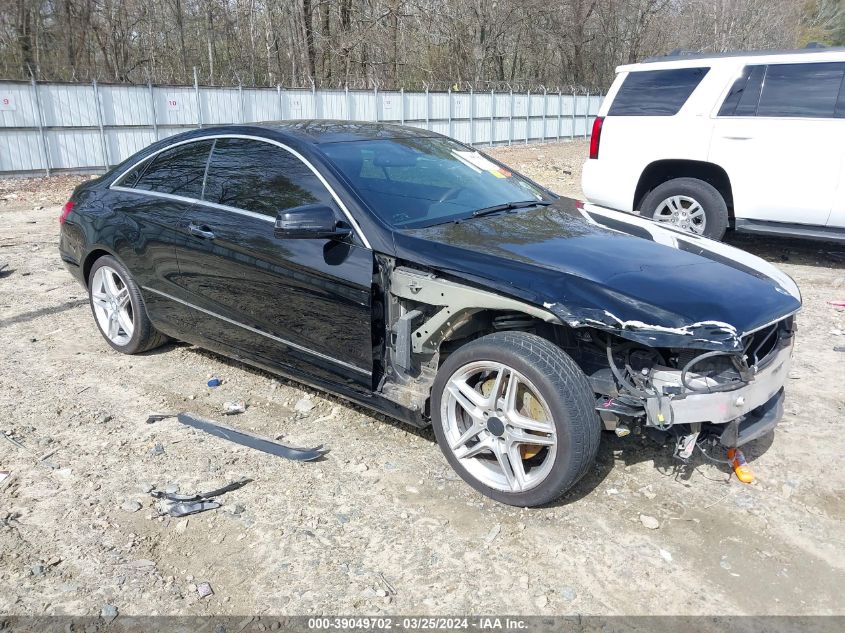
(752, 140)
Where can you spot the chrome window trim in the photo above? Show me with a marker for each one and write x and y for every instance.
(261, 332)
(352, 221)
(171, 196)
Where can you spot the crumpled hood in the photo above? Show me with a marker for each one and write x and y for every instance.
(614, 271)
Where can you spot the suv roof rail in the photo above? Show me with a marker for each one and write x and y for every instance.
(681, 53)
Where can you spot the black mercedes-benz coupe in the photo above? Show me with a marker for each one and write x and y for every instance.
(417, 276)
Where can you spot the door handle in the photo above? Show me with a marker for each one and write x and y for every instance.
(201, 231)
(738, 138)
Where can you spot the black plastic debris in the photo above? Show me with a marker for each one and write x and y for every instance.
(251, 440)
(172, 496)
(158, 417)
(177, 505)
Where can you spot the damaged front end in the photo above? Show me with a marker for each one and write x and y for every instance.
(732, 395)
(676, 334)
(700, 382)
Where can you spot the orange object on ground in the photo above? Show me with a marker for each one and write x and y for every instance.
(741, 467)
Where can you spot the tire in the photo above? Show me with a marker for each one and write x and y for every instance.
(113, 291)
(658, 205)
(564, 395)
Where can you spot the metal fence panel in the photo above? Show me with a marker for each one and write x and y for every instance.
(363, 105)
(460, 130)
(219, 106)
(481, 131)
(332, 104)
(17, 105)
(416, 107)
(502, 131)
(64, 105)
(300, 104)
(123, 142)
(20, 151)
(481, 105)
(70, 148)
(261, 104)
(125, 106)
(89, 126)
(178, 106)
(390, 105)
(440, 108)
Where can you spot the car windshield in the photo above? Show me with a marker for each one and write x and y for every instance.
(418, 182)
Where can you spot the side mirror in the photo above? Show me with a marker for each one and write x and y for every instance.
(310, 221)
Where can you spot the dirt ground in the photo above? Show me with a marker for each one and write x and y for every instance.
(381, 525)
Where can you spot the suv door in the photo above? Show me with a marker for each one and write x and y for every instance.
(837, 213)
(150, 199)
(779, 137)
(302, 305)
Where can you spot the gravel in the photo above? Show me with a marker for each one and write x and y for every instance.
(649, 521)
(313, 537)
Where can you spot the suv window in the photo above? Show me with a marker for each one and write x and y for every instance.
(787, 90)
(745, 93)
(801, 90)
(260, 177)
(178, 170)
(656, 92)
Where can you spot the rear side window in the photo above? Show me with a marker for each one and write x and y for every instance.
(260, 177)
(178, 170)
(744, 95)
(787, 90)
(656, 92)
(801, 90)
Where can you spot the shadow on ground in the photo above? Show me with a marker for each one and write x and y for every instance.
(791, 250)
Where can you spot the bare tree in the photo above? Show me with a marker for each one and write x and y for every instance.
(387, 42)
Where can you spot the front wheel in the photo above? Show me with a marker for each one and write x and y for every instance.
(688, 204)
(514, 416)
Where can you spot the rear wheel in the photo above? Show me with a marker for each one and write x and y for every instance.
(688, 204)
(514, 416)
(118, 308)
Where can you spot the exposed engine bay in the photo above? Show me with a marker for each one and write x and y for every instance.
(725, 396)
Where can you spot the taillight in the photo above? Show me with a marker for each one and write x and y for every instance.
(595, 138)
(65, 211)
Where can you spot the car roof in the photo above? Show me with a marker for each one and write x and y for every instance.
(320, 131)
(686, 59)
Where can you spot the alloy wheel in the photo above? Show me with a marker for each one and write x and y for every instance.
(499, 426)
(112, 305)
(683, 212)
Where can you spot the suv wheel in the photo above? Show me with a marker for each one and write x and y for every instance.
(688, 204)
(514, 416)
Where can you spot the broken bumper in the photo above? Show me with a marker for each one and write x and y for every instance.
(727, 406)
(756, 424)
